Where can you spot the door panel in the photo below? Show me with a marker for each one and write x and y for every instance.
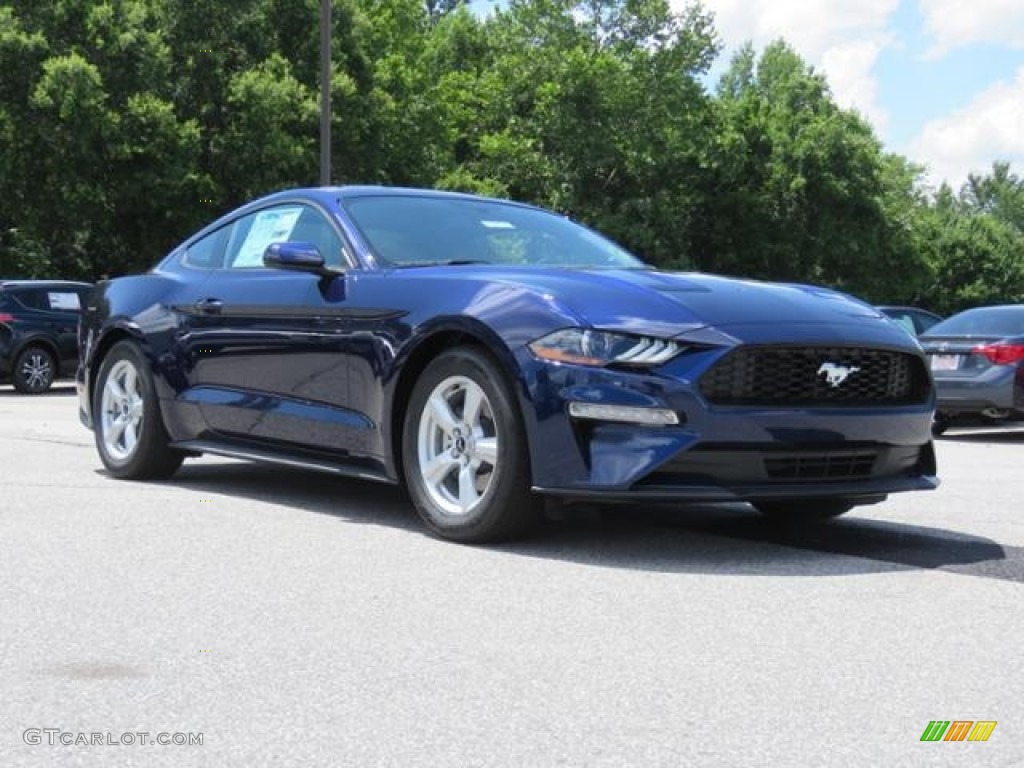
(261, 364)
(270, 354)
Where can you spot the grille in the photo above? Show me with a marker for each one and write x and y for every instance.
(735, 465)
(788, 376)
(836, 465)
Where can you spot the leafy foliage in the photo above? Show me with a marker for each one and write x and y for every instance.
(124, 124)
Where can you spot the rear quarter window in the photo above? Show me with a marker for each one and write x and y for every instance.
(32, 299)
(49, 299)
(65, 300)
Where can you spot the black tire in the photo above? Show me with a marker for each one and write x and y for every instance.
(149, 457)
(940, 423)
(504, 508)
(804, 510)
(34, 370)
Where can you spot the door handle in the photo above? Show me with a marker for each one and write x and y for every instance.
(209, 306)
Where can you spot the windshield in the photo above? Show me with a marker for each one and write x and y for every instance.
(410, 231)
(984, 321)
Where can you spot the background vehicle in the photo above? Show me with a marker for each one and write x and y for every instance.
(38, 331)
(488, 353)
(914, 319)
(977, 360)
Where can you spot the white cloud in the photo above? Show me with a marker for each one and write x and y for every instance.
(848, 68)
(990, 128)
(810, 26)
(842, 38)
(953, 23)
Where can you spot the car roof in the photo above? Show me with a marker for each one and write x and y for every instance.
(352, 191)
(995, 307)
(331, 196)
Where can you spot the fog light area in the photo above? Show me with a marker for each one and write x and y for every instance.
(623, 413)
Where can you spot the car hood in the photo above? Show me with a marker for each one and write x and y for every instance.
(673, 302)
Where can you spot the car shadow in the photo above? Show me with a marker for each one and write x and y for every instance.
(991, 435)
(724, 539)
(746, 542)
(355, 501)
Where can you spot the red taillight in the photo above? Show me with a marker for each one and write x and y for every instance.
(6, 317)
(1001, 354)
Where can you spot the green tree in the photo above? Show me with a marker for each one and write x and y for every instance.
(594, 109)
(101, 166)
(801, 189)
(22, 50)
(973, 242)
(1000, 193)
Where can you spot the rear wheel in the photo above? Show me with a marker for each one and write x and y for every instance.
(34, 370)
(464, 451)
(804, 510)
(130, 433)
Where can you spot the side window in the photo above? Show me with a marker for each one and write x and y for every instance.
(294, 223)
(314, 228)
(907, 322)
(208, 252)
(924, 322)
(33, 299)
(66, 300)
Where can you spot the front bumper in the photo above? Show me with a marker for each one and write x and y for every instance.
(716, 453)
(743, 471)
(714, 494)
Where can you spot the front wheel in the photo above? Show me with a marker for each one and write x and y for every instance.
(130, 433)
(34, 371)
(464, 451)
(804, 510)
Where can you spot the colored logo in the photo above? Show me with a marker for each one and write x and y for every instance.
(958, 730)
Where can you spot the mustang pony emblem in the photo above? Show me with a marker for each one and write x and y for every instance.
(836, 374)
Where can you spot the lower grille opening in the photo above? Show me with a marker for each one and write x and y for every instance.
(739, 465)
(833, 465)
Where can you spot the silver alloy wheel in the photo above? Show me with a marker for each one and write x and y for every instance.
(121, 410)
(36, 370)
(457, 445)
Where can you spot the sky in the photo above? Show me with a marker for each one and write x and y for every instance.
(941, 81)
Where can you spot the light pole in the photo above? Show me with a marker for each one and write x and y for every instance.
(325, 92)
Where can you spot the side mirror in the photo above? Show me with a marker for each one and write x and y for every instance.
(300, 257)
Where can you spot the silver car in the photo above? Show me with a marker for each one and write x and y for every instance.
(977, 359)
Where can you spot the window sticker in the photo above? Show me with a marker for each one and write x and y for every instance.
(269, 227)
(494, 224)
(68, 300)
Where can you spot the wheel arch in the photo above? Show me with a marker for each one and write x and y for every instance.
(38, 341)
(43, 344)
(103, 346)
(427, 349)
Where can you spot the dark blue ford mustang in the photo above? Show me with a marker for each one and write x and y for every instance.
(489, 354)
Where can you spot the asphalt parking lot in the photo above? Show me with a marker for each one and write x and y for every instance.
(293, 619)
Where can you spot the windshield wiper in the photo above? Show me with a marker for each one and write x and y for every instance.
(449, 263)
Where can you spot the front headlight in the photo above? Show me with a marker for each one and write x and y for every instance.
(587, 347)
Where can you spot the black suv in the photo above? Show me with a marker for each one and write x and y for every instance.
(39, 330)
